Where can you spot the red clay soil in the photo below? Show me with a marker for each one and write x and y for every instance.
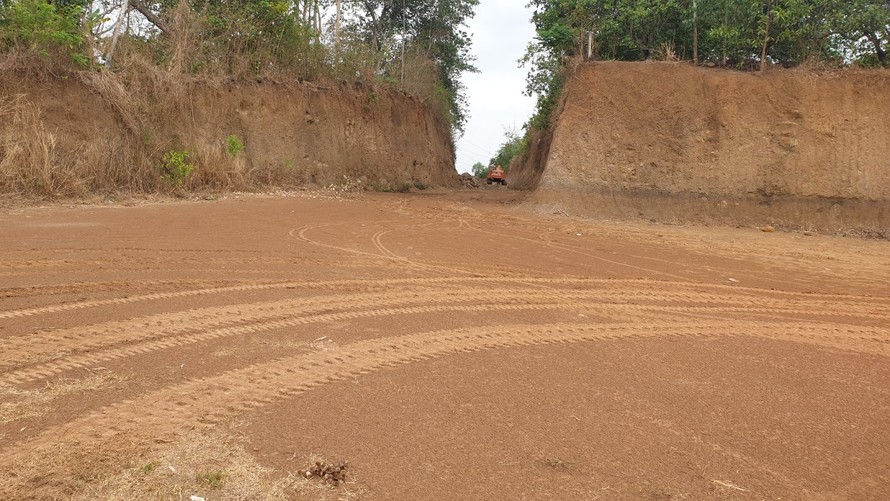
(446, 345)
(674, 142)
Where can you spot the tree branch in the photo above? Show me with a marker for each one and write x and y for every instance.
(151, 16)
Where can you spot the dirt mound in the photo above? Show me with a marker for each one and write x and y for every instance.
(89, 132)
(676, 142)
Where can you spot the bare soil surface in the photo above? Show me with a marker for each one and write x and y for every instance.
(450, 345)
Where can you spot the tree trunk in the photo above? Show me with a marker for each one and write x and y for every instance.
(695, 32)
(876, 41)
(725, 23)
(769, 16)
(109, 57)
(337, 30)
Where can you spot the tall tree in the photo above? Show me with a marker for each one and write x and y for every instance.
(435, 28)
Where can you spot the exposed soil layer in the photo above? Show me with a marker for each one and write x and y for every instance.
(443, 345)
(675, 142)
(88, 132)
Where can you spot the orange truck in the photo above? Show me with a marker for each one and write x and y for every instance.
(496, 175)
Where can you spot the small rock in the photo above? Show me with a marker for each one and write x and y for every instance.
(733, 280)
(196, 498)
(808, 233)
(768, 229)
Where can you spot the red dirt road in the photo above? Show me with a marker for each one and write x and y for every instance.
(447, 345)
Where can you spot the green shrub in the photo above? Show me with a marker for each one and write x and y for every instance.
(43, 28)
(234, 145)
(175, 167)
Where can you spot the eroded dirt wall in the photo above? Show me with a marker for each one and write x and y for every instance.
(382, 136)
(675, 142)
(112, 133)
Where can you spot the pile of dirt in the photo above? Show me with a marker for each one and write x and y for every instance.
(468, 180)
(673, 142)
(85, 132)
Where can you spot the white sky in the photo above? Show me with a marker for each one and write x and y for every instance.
(501, 30)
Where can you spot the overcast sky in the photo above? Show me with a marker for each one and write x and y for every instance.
(501, 30)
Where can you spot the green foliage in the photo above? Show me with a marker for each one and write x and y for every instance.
(435, 29)
(735, 33)
(259, 38)
(175, 167)
(44, 28)
(480, 170)
(729, 30)
(246, 39)
(514, 145)
(234, 145)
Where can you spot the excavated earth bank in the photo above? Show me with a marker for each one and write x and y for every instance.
(112, 131)
(673, 142)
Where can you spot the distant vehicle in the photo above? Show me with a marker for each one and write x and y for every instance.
(496, 175)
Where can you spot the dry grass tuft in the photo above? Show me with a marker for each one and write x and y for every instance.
(217, 169)
(666, 52)
(213, 465)
(22, 404)
(30, 161)
(37, 163)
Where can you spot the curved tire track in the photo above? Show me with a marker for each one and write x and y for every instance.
(26, 358)
(213, 399)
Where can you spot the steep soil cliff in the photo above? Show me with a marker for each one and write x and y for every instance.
(88, 132)
(676, 142)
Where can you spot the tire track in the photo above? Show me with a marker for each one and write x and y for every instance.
(880, 303)
(204, 324)
(100, 287)
(196, 335)
(208, 401)
(156, 328)
(567, 248)
(383, 252)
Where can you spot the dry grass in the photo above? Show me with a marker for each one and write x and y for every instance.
(218, 170)
(31, 162)
(666, 52)
(38, 163)
(22, 404)
(213, 465)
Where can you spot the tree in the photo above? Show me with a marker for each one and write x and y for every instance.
(864, 28)
(514, 145)
(480, 170)
(741, 33)
(43, 28)
(433, 28)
